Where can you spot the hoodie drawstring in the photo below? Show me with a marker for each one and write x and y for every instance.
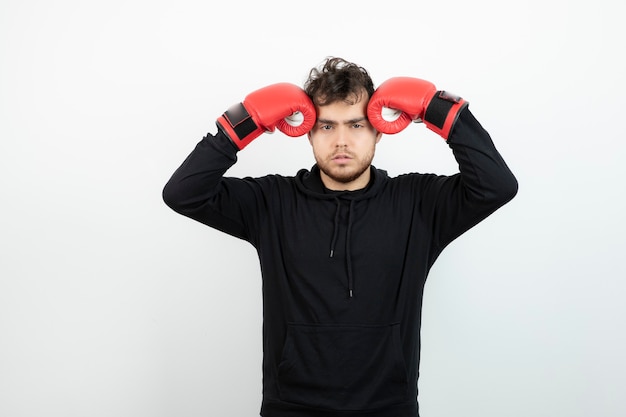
(348, 249)
(335, 229)
(348, 256)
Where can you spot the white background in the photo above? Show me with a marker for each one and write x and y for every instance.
(113, 305)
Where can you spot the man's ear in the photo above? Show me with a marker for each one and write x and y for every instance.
(379, 135)
(308, 135)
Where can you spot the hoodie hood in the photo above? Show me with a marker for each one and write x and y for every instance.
(310, 182)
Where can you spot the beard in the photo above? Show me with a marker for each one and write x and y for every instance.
(347, 173)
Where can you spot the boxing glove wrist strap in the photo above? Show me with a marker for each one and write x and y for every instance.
(238, 125)
(443, 111)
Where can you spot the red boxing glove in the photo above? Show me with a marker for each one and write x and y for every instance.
(402, 100)
(284, 106)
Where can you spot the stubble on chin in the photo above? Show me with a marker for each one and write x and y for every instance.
(342, 173)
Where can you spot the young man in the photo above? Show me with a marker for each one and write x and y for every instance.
(344, 249)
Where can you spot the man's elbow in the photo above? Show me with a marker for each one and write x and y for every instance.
(171, 198)
(508, 189)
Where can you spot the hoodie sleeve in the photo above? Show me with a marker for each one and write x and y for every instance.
(199, 190)
(484, 182)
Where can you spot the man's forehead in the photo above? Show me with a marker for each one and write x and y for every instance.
(342, 112)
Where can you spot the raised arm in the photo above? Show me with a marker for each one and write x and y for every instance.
(198, 188)
(484, 182)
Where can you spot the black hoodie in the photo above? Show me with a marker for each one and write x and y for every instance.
(343, 272)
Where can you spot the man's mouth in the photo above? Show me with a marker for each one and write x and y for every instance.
(342, 157)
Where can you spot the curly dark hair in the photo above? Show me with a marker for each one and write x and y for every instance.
(338, 80)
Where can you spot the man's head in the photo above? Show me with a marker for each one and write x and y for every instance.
(342, 138)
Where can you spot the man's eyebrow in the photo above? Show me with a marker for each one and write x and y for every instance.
(346, 122)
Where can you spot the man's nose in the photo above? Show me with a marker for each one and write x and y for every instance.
(342, 137)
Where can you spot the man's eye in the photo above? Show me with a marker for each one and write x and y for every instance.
(326, 127)
(357, 125)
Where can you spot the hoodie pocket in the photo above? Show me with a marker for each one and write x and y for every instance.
(343, 367)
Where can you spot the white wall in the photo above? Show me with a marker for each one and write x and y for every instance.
(113, 305)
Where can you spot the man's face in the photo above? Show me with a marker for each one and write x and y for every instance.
(343, 144)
